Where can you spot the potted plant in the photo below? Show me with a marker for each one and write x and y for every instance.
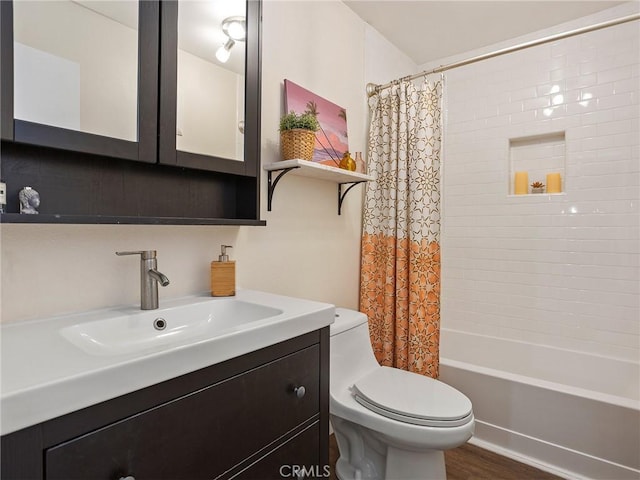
(537, 187)
(298, 135)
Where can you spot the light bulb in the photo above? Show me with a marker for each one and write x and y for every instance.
(224, 52)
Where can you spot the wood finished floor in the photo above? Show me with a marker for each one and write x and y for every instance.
(469, 462)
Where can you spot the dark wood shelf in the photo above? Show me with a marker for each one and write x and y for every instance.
(116, 220)
(78, 188)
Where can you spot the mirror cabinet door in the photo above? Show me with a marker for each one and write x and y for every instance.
(83, 75)
(210, 81)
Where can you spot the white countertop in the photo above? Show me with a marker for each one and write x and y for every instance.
(44, 375)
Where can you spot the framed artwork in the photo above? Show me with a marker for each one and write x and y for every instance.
(331, 140)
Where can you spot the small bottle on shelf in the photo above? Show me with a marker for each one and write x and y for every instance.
(360, 165)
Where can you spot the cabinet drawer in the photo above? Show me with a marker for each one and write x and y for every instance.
(199, 435)
(297, 458)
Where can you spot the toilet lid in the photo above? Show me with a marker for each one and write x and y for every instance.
(412, 398)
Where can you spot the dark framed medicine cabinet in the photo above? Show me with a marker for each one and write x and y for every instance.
(140, 177)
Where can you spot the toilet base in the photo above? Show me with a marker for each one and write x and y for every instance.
(367, 455)
(408, 465)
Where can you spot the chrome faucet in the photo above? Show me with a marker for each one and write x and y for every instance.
(150, 277)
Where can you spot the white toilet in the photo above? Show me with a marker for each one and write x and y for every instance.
(389, 423)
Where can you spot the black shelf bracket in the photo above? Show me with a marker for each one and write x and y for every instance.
(342, 194)
(272, 183)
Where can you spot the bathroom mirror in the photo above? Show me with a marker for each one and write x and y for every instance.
(170, 82)
(76, 65)
(81, 75)
(210, 85)
(211, 77)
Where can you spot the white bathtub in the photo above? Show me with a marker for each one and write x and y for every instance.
(571, 413)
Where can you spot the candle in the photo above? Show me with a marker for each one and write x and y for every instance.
(554, 183)
(521, 183)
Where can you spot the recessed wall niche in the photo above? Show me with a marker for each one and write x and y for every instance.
(538, 158)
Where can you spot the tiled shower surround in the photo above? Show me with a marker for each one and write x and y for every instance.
(559, 270)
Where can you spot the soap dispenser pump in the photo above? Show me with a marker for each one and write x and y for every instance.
(223, 275)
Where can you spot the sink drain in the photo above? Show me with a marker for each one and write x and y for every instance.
(159, 323)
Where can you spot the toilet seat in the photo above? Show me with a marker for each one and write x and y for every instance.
(412, 398)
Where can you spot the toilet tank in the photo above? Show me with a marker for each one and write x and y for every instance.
(351, 352)
(346, 320)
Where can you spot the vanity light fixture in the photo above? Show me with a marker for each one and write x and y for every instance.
(235, 28)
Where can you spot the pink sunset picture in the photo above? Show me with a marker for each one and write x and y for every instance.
(331, 139)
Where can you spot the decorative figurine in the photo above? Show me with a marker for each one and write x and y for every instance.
(3, 196)
(537, 187)
(29, 200)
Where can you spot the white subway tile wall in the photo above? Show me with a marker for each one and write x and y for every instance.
(559, 270)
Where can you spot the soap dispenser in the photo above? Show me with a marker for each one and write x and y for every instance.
(223, 275)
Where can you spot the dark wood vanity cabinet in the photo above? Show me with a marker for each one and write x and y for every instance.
(242, 418)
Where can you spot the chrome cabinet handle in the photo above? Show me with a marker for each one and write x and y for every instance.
(299, 391)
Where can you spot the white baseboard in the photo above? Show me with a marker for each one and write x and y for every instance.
(547, 456)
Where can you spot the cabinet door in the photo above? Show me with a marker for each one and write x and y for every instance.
(210, 104)
(82, 76)
(200, 435)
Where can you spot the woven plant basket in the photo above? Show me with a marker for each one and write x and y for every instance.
(297, 143)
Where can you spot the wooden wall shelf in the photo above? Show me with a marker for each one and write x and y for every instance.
(314, 170)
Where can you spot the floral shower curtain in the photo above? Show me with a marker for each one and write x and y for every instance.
(400, 266)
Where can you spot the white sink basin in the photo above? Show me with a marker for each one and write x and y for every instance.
(57, 365)
(146, 330)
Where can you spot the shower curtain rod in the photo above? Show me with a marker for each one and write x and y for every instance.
(373, 89)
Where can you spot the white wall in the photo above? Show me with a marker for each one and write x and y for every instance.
(305, 250)
(383, 61)
(557, 270)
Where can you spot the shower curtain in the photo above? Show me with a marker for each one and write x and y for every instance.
(400, 266)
